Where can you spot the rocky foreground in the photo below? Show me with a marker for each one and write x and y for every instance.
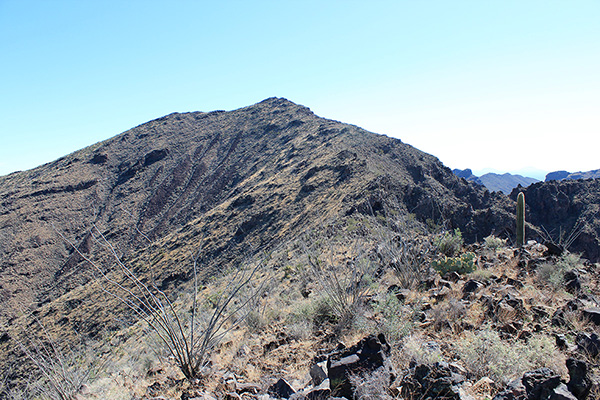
(522, 325)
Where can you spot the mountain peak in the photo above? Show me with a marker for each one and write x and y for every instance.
(279, 104)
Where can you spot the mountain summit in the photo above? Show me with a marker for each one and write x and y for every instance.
(221, 187)
(242, 179)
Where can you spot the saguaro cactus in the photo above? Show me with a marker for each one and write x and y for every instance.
(520, 219)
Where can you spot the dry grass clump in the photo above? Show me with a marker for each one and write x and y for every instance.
(448, 314)
(420, 349)
(552, 274)
(372, 385)
(485, 354)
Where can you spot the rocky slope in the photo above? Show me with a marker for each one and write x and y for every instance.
(244, 178)
(221, 187)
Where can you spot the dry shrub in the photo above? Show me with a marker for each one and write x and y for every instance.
(63, 371)
(420, 350)
(372, 385)
(492, 242)
(448, 314)
(345, 274)
(408, 255)
(190, 334)
(553, 273)
(485, 354)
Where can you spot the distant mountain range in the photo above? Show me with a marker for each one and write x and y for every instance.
(496, 182)
(562, 175)
(507, 182)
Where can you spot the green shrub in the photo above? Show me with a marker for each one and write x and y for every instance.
(449, 243)
(493, 242)
(396, 322)
(463, 264)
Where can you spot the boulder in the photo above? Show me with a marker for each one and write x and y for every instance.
(452, 276)
(540, 383)
(513, 301)
(281, 389)
(580, 382)
(320, 392)
(561, 392)
(436, 381)
(515, 390)
(588, 344)
(367, 355)
(472, 286)
(572, 282)
(592, 314)
(553, 249)
(317, 374)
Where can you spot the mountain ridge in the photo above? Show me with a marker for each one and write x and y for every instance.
(219, 188)
(262, 164)
(562, 175)
(494, 182)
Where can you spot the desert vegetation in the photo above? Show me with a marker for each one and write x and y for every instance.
(476, 317)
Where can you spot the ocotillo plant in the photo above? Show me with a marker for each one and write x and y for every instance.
(520, 219)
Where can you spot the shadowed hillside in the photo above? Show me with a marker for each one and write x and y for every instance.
(567, 208)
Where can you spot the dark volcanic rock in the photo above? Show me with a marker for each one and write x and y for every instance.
(573, 284)
(580, 382)
(540, 383)
(567, 206)
(281, 389)
(367, 355)
(588, 344)
(515, 390)
(592, 314)
(561, 392)
(437, 381)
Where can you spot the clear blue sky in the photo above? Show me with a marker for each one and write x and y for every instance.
(480, 84)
